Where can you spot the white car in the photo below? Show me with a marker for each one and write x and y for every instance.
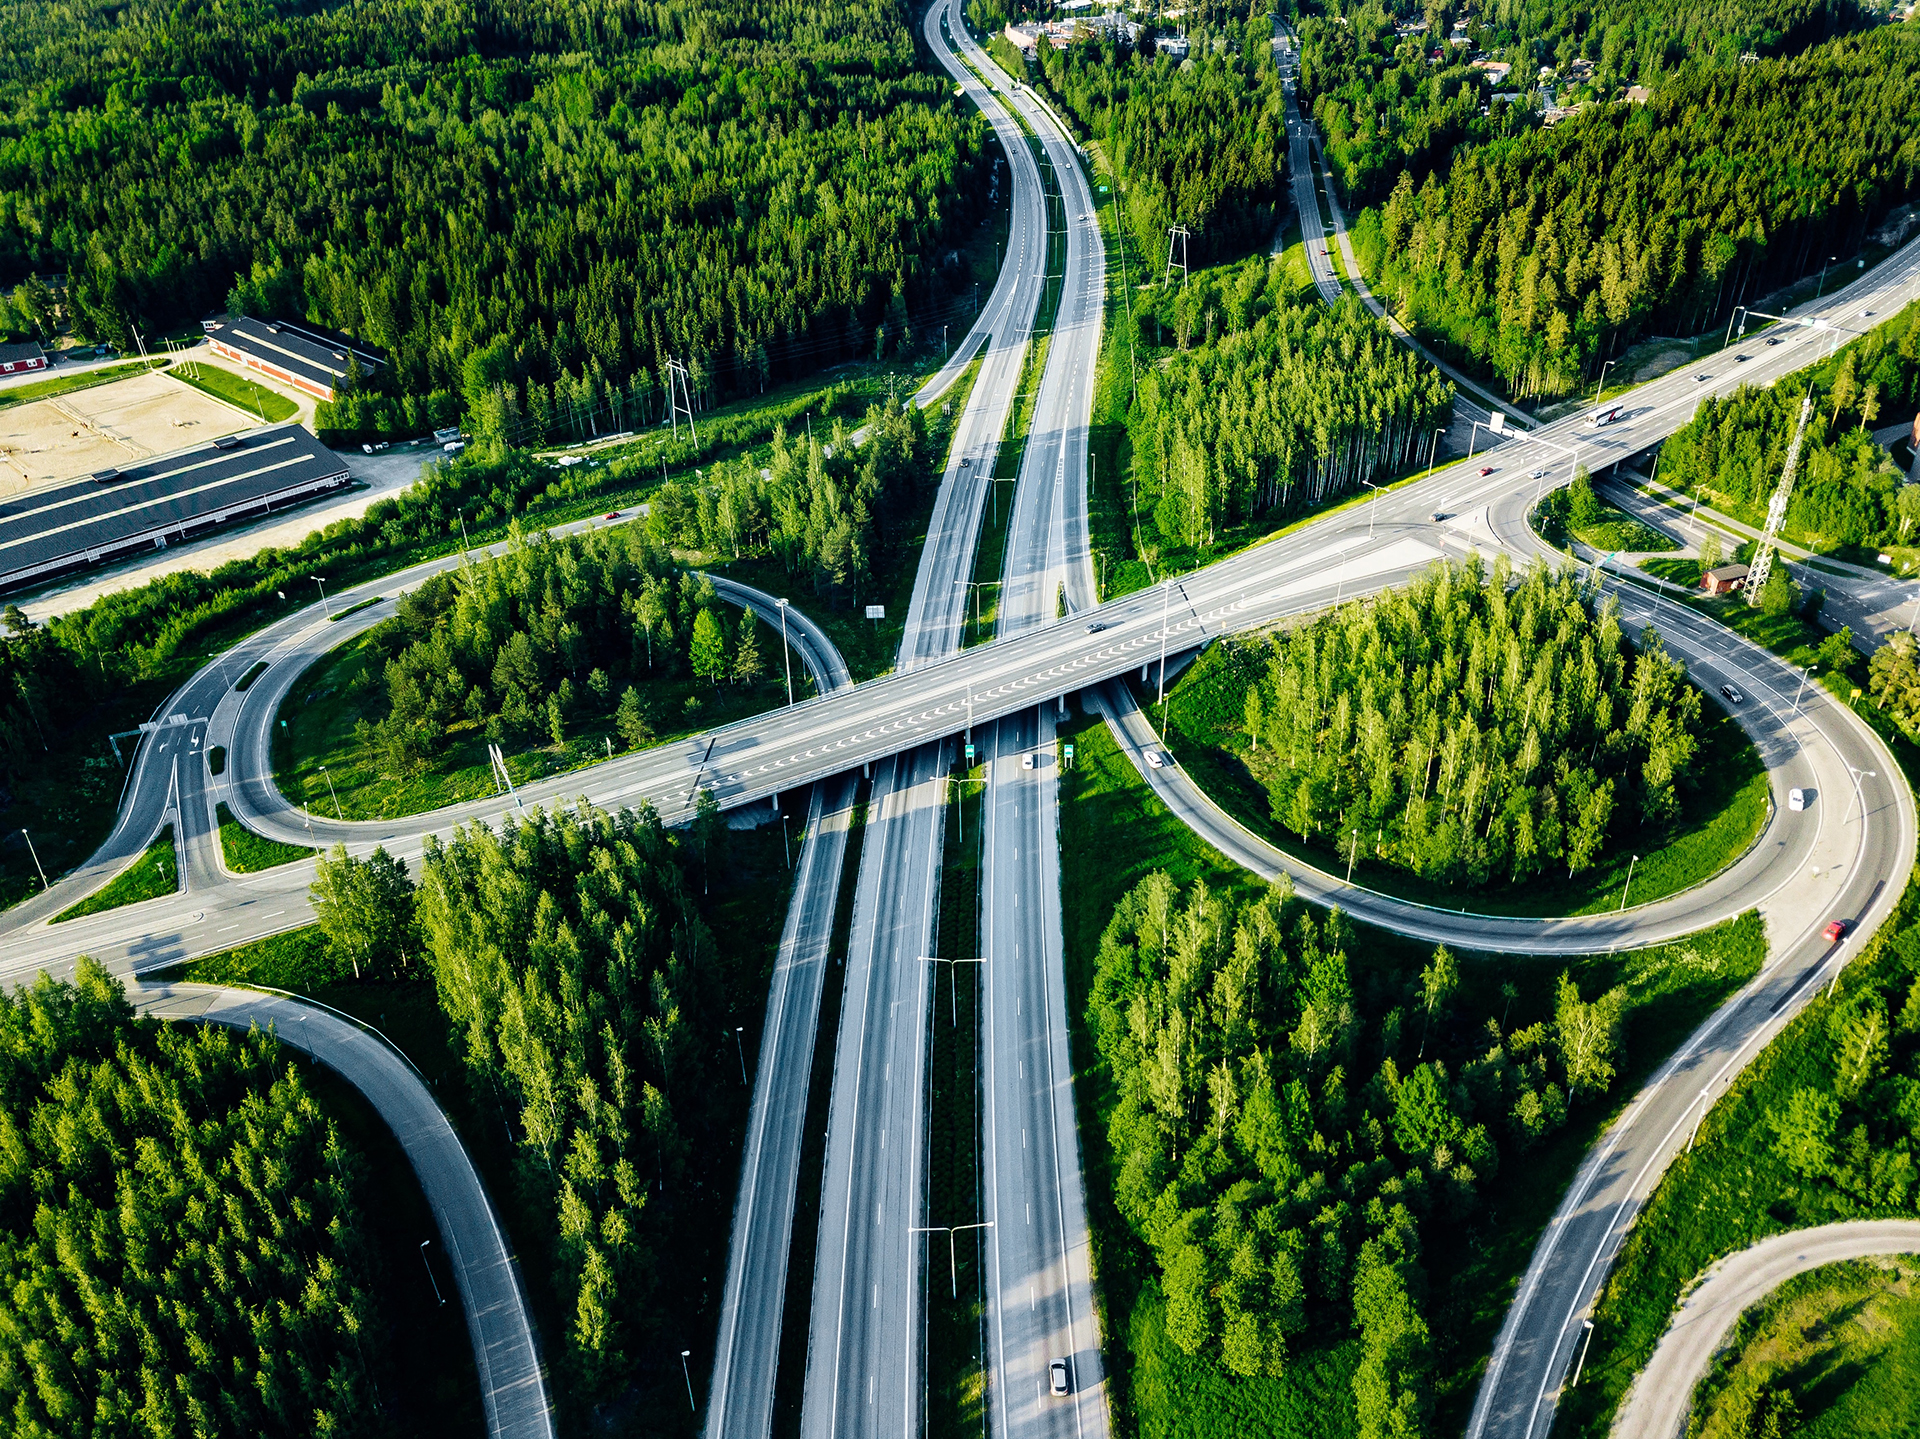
(1057, 1377)
(1026, 761)
(1796, 800)
(1158, 759)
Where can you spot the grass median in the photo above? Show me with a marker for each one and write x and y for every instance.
(249, 853)
(154, 874)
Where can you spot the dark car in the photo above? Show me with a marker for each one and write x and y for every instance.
(1096, 627)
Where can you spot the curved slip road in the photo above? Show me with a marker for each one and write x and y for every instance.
(505, 1353)
(1661, 1399)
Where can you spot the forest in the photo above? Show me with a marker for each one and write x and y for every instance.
(833, 512)
(1445, 722)
(584, 989)
(1536, 257)
(512, 201)
(1268, 405)
(1847, 492)
(1200, 143)
(530, 642)
(181, 1243)
(1291, 1117)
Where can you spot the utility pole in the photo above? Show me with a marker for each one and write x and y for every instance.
(1777, 507)
(1181, 234)
(676, 370)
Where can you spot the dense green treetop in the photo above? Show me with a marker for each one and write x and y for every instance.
(500, 198)
(1473, 730)
(180, 1246)
(1289, 1118)
(1270, 402)
(1847, 490)
(1539, 254)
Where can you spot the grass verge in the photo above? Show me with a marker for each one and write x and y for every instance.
(155, 873)
(1720, 818)
(249, 853)
(1616, 531)
(237, 390)
(1832, 1352)
(1114, 832)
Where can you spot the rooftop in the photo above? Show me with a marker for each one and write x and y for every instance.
(300, 349)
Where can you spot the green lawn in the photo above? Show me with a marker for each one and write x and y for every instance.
(1616, 530)
(1721, 817)
(237, 390)
(154, 874)
(248, 853)
(317, 719)
(1680, 572)
(1114, 832)
(1840, 1345)
(66, 384)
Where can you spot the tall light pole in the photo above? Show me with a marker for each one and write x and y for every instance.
(336, 798)
(740, 1049)
(423, 1249)
(1801, 686)
(36, 860)
(321, 581)
(1628, 889)
(953, 1263)
(953, 986)
(688, 1374)
(1823, 277)
(1373, 505)
(1433, 450)
(1858, 775)
(786, 653)
(1166, 604)
(1583, 1355)
(1603, 381)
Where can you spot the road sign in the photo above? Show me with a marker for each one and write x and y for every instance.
(876, 612)
(1069, 753)
(969, 754)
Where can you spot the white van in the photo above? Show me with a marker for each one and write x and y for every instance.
(1796, 800)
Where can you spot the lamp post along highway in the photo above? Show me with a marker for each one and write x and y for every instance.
(321, 581)
(330, 790)
(953, 1262)
(1166, 605)
(36, 859)
(953, 988)
(1858, 791)
(1603, 381)
(1801, 686)
(785, 652)
(687, 1374)
(1627, 889)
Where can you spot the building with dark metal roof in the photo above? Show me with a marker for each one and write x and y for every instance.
(305, 356)
(160, 501)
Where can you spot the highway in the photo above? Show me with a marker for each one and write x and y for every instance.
(1662, 1397)
(1039, 1289)
(866, 1350)
(1351, 551)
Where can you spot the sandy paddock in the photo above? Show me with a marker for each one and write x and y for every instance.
(107, 426)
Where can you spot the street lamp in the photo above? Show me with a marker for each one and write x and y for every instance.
(1166, 603)
(423, 1249)
(1603, 381)
(1858, 775)
(953, 988)
(740, 1049)
(321, 581)
(1583, 1355)
(953, 1262)
(688, 1374)
(1801, 686)
(1628, 889)
(786, 653)
(1823, 277)
(1433, 450)
(36, 859)
(956, 779)
(1375, 504)
(336, 798)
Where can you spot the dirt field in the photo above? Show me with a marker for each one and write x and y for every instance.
(109, 425)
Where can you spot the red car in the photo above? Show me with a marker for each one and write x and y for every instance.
(1836, 931)
(613, 514)
(1486, 469)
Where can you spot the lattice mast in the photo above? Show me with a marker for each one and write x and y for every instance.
(1777, 508)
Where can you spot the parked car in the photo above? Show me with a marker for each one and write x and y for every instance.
(1733, 695)
(1836, 931)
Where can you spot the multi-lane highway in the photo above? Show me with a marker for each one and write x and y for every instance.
(1039, 1282)
(932, 699)
(864, 1361)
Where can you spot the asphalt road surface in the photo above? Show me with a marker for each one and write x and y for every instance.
(1662, 1397)
(866, 1350)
